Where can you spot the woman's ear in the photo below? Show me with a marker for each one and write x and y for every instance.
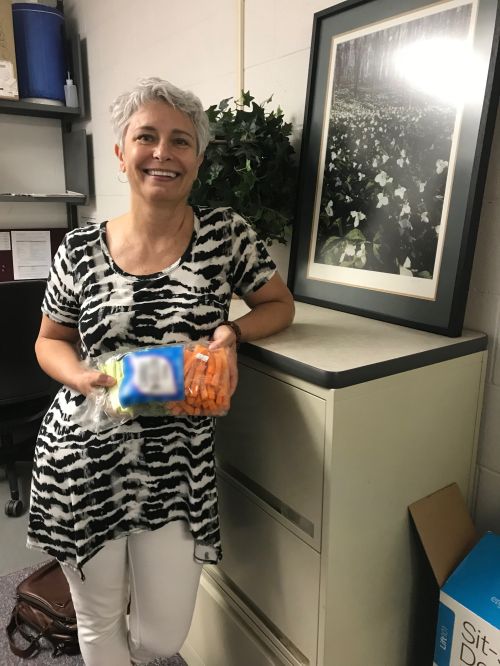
(119, 154)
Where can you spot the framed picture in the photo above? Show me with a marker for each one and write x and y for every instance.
(400, 111)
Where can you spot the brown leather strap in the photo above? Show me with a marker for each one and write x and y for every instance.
(33, 648)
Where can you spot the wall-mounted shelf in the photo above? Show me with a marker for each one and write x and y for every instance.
(20, 108)
(44, 198)
(74, 143)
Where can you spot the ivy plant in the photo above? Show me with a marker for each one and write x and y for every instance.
(250, 166)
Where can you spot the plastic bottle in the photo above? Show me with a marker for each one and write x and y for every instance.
(70, 92)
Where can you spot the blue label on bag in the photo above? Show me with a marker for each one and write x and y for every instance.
(152, 375)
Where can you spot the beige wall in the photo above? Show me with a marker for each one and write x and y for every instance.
(194, 44)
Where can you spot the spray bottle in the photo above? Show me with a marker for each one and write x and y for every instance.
(70, 92)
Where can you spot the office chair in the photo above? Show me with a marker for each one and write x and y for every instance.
(25, 390)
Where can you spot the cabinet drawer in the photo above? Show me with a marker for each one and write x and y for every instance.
(274, 571)
(221, 636)
(272, 441)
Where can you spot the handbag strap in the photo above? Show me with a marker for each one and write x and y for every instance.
(13, 626)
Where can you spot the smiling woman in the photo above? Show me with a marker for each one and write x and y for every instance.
(160, 155)
(132, 510)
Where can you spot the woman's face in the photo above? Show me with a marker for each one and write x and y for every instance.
(159, 153)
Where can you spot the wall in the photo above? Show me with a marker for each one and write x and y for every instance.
(194, 44)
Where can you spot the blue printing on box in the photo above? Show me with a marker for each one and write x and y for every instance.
(39, 43)
(475, 583)
(444, 636)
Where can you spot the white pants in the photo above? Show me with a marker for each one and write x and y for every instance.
(157, 569)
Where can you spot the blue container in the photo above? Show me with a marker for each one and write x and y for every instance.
(39, 40)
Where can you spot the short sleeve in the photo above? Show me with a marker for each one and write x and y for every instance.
(60, 302)
(253, 266)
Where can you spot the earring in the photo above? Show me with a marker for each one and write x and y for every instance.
(119, 179)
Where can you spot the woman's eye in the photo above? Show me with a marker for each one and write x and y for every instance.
(182, 142)
(145, 138)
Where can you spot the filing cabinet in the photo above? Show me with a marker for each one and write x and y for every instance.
(338, 424)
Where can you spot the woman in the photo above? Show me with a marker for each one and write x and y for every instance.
(131, 513)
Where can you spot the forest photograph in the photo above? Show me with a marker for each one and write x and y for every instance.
(388, 144)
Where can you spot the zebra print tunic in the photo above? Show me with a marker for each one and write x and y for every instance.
(90, 488)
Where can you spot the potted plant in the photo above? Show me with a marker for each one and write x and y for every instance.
(250, 166)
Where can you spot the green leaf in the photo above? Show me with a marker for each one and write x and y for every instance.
(355, 235)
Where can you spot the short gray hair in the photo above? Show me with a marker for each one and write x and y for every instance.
(153, 89)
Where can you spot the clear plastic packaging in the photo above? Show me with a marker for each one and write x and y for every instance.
(180, 380)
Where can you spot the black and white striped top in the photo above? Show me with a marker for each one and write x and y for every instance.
(89, 488)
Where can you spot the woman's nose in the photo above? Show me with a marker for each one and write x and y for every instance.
(161, 152)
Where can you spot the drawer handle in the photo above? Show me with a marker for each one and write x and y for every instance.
(285, 510)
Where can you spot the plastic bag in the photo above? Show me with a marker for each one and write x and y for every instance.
(181, 380)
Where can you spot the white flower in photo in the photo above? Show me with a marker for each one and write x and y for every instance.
(441, 166)
(382, 178)
(349, 251)
(424, 217)
(329, 209)
(405, 210)
(405, 268)
(338, 182)
(437, 229)
(361, 256)
(403, 152)
(377, 142)
(331, 166)
(348, 198)
(400, 162)
(361, 175)
(393, 142)
(400, 192)
(421, 185)
(382, 200)
(374, 163)
(333, 155)
(357, 142)
(358, 216)
(384, 158)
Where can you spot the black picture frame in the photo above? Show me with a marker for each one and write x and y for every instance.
(359, 71)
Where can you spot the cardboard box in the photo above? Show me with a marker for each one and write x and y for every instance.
(8, 72)
(467, 570)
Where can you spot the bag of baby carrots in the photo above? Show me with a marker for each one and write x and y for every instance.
(206, 383)
(178, 379)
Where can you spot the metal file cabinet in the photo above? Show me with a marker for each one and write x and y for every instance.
(337, 425)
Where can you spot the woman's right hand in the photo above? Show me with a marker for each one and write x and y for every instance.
(57, 354)
(88, 380)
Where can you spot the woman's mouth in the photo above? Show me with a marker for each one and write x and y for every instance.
(162, 173)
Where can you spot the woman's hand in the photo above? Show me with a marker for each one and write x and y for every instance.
(88, 380)
(224, 336)
(56, 351)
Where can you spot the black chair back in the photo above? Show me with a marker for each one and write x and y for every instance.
(21, 378)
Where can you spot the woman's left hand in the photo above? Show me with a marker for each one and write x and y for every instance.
(224, 336)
